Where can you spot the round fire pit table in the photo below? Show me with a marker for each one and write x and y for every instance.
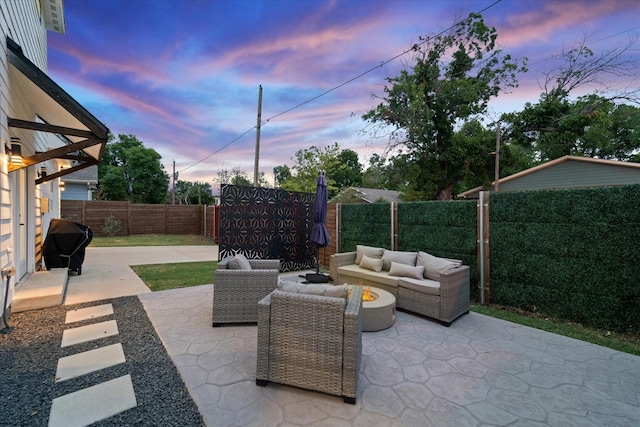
(380, 313)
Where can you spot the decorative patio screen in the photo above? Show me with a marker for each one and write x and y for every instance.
(267, 223)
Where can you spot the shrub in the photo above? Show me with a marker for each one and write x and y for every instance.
(111, 226)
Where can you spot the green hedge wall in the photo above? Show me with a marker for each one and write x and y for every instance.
(445, 229)
(365, 224)
(570, 254)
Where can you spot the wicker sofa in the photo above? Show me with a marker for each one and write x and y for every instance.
(311, 341)
(236, 291)
(434, 287)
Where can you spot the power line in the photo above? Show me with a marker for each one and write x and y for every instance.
(382, 64)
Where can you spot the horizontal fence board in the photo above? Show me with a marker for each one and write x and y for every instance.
(140, 218)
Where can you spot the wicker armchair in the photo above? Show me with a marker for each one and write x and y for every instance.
(310, 341)
(236, 292)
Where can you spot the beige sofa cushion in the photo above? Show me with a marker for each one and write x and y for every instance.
(404, 270)
(408, 258)
(372, 278)
(369, 251)
(372, 264)
(352, 270)
(323, 290)
(425, 286)
(433, 266)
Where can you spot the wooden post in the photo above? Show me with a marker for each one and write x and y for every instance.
(483, 248)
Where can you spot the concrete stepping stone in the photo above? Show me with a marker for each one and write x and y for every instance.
(89, 361)
(89, 333)
(88, 313)
(91, 404)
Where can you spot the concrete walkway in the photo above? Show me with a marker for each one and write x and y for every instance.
(106, 272)
(480, 371)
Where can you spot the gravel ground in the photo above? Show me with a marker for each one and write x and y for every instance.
(29, 353)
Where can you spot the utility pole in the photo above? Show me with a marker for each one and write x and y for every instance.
(173, 186)
(497, 174)
(255, 164)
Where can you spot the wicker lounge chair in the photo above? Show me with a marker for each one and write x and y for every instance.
(236, 292)
(310, 341)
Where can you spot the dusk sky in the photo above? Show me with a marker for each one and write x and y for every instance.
(183, 75)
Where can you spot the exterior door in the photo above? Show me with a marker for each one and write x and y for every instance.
(19, 214)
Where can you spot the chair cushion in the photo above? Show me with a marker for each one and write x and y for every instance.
(339, 291)
(369, 251)
(433, 266)
(404, 270)
(372, 264)
(401, 257)
(239, 262)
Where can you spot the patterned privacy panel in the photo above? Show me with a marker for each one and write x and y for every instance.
(267, 223)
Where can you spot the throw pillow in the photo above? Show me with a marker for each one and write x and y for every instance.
(322, 290)
(224, 262)
(433, 266)
(401, 257)
(404, 270)
(371, 264)
(239, 262)
(369, 251)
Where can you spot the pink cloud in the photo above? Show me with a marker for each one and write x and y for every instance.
(543, 23)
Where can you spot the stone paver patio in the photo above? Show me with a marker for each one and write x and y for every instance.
(480, 371)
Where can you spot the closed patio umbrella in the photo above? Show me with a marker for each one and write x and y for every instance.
(319, 233)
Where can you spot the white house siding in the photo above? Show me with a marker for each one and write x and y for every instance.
(21, 21)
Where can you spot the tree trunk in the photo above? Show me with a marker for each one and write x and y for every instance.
(444, 193)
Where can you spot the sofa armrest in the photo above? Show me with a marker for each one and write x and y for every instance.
(264, 319)
(352, 343)
(454, 293)
(265, 264)
(338, 260)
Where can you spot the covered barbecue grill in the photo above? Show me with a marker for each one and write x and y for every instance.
(65, 244)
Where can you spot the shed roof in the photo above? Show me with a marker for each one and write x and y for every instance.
(366, 195)
(566, 172)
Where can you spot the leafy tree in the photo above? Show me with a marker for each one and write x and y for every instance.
(281, 174)
(590, 126)
(129, 171)
(237, 176)
(594, 125)
(342, 169)
(453, 78)
(193, 193)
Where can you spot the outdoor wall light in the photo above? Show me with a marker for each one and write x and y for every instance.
(61, 186)
(43, 172)
(16, 151)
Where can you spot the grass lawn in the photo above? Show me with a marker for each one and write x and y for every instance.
(628, 343)
(151, 240)
(160, 277)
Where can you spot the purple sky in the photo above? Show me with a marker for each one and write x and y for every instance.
(183, 75)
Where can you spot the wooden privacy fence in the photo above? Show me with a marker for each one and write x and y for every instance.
(143, 218)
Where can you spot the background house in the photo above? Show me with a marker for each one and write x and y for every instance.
(566, 172)
(80, 185)
(366, 195)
